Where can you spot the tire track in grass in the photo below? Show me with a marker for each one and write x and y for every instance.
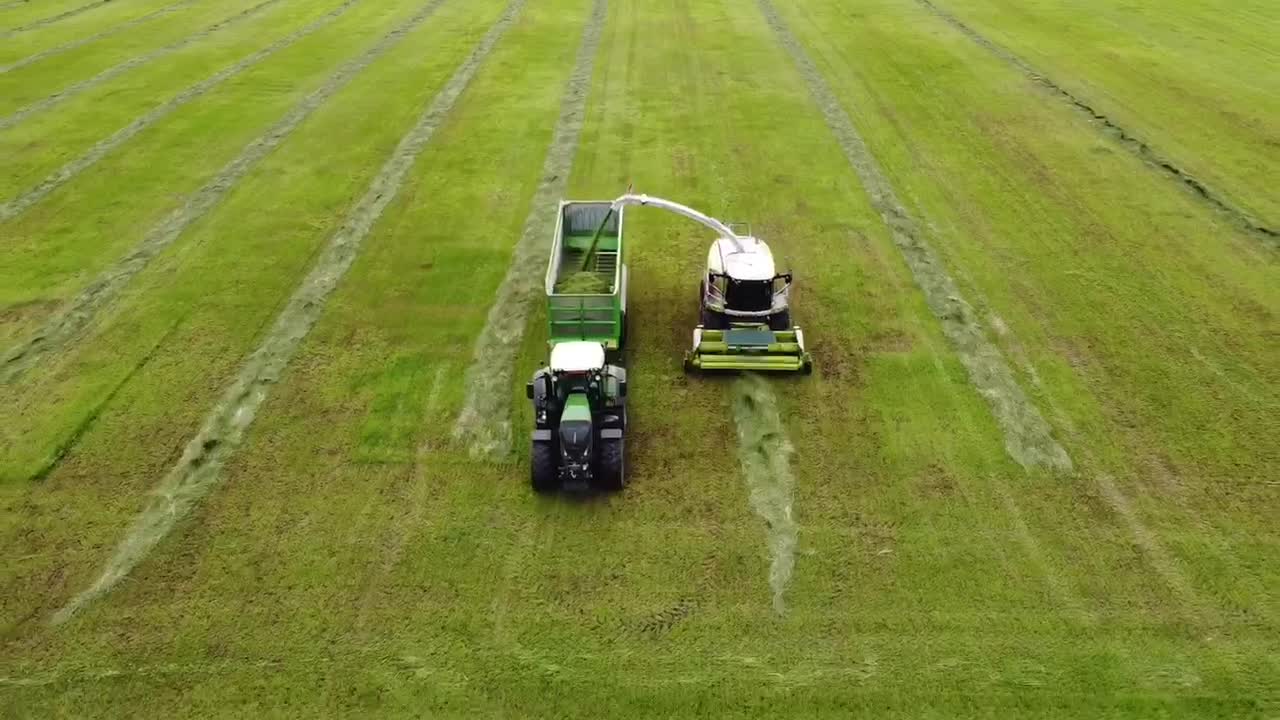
(765, 455)
(1063, 592)
(485, 418)
(1156, 554)
(199, 468)
(1028, 436)
(20, 204)
(80, 42)
(121, 68)
(63, 327)
(54, 18)
(1126, 138)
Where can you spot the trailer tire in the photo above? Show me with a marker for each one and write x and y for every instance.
(543, 475)
(611, 473)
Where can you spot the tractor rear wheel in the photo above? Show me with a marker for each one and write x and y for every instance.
(543, 467)
(611, 473)
(781, 321)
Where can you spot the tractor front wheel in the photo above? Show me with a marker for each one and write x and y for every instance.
(543, 471)
(611, 473)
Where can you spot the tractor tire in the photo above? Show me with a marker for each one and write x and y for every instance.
(544, 467)
(611, 471)
(781, 321)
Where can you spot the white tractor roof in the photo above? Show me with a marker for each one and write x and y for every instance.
(752, 261)
(577, 356)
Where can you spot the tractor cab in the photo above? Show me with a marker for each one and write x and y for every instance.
(579, 405)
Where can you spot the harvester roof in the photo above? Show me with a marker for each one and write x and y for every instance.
(742, 259)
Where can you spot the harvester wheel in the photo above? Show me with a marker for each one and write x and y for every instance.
(711, 320)
(781, 321)
(612, 471)
(543, 475)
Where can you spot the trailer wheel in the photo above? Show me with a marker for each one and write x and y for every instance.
(543, 467)
(611, 473)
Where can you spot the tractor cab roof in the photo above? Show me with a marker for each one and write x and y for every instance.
(577, 356)
(752, 261)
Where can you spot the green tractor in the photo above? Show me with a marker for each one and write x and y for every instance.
(579, 398)
(580, 421)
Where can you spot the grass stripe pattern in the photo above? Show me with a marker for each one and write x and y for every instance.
(1124, 136)
(223, 430)
(1028, 436)
(18, 205)
(81, 42)
(124, 67)
(60, 329)
(483, 422)
(54, 18)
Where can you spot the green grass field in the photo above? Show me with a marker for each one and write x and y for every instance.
(270, 289)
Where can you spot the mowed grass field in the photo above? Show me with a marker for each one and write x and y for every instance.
(260, 261)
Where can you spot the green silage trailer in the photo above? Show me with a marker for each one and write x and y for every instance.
(587, 286)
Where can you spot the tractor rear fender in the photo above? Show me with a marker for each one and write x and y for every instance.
(618, 374)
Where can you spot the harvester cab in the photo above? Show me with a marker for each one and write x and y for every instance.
(580, 420)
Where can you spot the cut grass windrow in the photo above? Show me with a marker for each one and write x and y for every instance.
(765, 454)
(1028, 436)
(54, 18)
(18, 205)
(121, 68)
(485, 418)
(1126, 138)
(199, 468)
(67, 323)
(80, 42)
